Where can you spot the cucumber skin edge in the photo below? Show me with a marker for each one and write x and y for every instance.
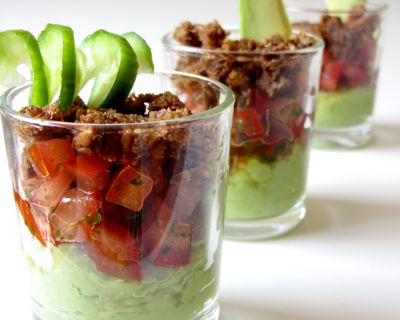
(126, 74)
(134, 37)
(69, 51)
(118, 93)
(39, 95)
(68, 79)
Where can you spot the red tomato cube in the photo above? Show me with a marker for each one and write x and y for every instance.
(130, 188)
(278, 132)
(173, 248)
(260, 102)
(115, 242)
(156, 208)
(36, 222)
(46, 198)
(115, 268)
(74, 215)
(91, 172)
(331, 75)
(247, 126)
(48, 157)
(356, 74)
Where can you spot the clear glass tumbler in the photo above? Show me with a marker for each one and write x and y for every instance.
(271, 129)
(350, 69)
(123, 221)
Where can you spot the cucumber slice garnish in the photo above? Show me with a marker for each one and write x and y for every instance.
(17, 48)
(142, 50)
(341, 5)
(110, 60)
(261, 19)
(57, 46)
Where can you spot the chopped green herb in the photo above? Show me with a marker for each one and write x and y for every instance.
(97, 217)
(93, 219)
(280, 149)
(137, 182)
(89, 220)
(296, 112)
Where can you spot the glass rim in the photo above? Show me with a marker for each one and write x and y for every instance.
(169, 43)
(227, 102)
(377, 7)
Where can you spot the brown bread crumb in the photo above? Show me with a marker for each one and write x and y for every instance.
(242, 71)
(188, 34)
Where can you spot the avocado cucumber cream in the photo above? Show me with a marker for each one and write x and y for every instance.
(71, 288)
(263, 190)
(349, 107)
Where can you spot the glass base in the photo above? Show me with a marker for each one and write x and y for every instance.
(211, 313)
(342, 138)
(248, 230)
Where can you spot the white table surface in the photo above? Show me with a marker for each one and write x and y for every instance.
(343, 262)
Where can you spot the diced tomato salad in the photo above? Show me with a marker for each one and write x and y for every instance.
(336, 74)
(115, 211)
(247, 126)
(267, 128)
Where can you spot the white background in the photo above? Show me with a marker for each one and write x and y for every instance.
(343, 262)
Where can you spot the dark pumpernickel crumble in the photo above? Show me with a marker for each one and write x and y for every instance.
(240, 71)
(126, 144)
(345, 39)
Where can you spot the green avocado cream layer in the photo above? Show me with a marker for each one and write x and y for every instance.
(263, 190)
(71, 288)
(344, 108)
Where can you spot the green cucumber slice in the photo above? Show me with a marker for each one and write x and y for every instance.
(261, 19)
(142, 50)
(342, 5)
(57, 46)
(83, 74)
(110, 60)
(19, 47)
